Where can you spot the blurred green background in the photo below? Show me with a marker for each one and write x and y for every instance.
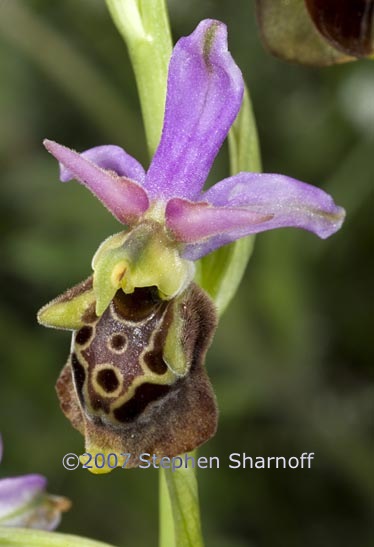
(292, 361)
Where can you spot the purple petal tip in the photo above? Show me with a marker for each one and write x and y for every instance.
(333, 222)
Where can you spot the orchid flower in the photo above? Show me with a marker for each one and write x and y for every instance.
(135, 381)
(24, 502)
(204, 94)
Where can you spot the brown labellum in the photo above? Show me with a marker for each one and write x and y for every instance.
(135, 380)
(346, 24)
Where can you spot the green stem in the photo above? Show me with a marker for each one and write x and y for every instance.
(144, 26)
(166, 520)
(180, 513)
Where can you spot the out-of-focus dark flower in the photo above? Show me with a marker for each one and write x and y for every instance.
(317, 32)
(24, 503)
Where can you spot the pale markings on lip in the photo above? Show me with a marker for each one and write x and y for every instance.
(102, 386)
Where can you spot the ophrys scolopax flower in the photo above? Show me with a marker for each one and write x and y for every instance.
(135, 380)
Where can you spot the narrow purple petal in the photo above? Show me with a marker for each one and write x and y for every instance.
(204, 94)
(124, 198)
(193, 222)
(17, 492)
(113, 158)
(280, 201)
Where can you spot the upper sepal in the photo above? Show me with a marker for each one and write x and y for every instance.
(204, 93)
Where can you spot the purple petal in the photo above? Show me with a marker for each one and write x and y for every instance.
(204, 94)
(17, 492)
(279, 200)
(112, 158)
(193, 222)
(124, 198)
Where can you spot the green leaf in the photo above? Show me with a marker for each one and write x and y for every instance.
(220, 272)
(19, 537)
(144, 26)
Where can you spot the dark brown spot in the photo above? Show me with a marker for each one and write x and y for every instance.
(144, 394)
(118, 342)
(155, 362)
(107, 379)
(83, 335)
(79, 375)
(137, 305)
